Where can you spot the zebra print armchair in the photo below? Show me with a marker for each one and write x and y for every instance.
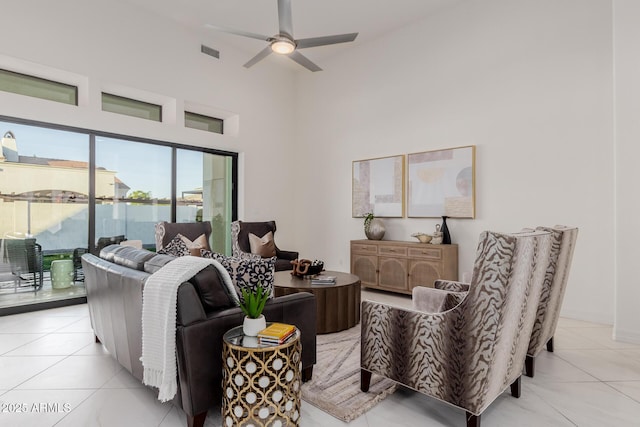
(472, 345)
(555, 283)
(553, 288)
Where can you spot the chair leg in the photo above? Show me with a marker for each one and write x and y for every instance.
(515, 388)
(365, 380)
(473, 420)
(529, 366)
(196, 420)
(307, 373)
(550, 345)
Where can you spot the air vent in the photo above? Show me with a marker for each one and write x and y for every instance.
(209, 51)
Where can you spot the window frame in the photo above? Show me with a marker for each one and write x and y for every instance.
(208, 119)
(92, 134)
(132, 103)
(53, 83)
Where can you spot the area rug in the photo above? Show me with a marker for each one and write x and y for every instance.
(335, 386)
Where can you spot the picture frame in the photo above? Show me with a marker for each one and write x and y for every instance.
(442, 183)
(377, 187)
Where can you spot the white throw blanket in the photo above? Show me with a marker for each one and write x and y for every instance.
(159, 306)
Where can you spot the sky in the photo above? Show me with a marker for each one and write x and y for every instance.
(144, 167)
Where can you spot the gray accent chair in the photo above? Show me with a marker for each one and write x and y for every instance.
(241, 248)
(166, 231)
(468, 347)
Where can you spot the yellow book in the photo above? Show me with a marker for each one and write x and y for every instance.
(276, 331)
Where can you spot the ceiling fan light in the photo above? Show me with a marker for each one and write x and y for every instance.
(283, 47)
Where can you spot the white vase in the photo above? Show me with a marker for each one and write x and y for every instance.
(251, 327)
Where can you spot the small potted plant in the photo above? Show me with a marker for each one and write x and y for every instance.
(252, 305)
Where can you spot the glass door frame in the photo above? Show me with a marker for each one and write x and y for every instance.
(92, 166)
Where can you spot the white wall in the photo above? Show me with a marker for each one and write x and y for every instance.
(528, 82)
(107, 45)
(627, 94)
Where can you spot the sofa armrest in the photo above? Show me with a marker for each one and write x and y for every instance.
(450, 285)
(199, 347)
(190, 309)
(430, 300)
(290, 255)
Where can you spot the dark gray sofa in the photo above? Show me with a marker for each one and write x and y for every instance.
(114, 283)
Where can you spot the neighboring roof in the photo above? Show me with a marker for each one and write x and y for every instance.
(33, 160)
(120, 184)
(69, 164)
(58, 163)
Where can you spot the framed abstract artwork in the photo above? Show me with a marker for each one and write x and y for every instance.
(377, 186)
(442, 183)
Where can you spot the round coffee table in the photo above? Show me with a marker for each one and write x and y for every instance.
(338, 305)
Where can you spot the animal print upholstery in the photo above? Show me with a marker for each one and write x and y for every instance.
(470, 353)
(432, 300)
(236, 251)
(555, 283)
(450, 285)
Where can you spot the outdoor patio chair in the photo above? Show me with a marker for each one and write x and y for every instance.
(78, 274)
(25, 258)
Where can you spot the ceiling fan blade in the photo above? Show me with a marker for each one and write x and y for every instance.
(322, 41)
(284, 18)
(304, 61)
(238, 32)
(259, 57)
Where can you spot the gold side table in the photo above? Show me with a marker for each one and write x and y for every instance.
(261, 383)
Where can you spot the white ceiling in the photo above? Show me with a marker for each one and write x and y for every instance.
(311, 18)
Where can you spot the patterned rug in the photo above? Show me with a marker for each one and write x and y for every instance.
(335, 386)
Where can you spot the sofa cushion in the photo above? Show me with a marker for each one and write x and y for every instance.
(132, 257)
(212, 290)
(176, 247)
(109, 252)
(247, 273)
(157, 262)
(263, 246)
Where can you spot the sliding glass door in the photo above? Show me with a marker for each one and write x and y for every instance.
(204, 193)
(44, 209)
(66, 191)
(133, 189)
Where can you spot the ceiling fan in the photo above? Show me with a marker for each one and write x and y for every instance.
(283, 43)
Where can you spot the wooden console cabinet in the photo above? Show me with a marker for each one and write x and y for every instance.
(400, 266)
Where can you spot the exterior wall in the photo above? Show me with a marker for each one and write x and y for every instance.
(22, 178)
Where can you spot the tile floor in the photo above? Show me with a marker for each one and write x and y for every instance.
(51, 367)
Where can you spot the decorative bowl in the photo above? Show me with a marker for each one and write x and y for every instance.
(314, 268)
(422, 237)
